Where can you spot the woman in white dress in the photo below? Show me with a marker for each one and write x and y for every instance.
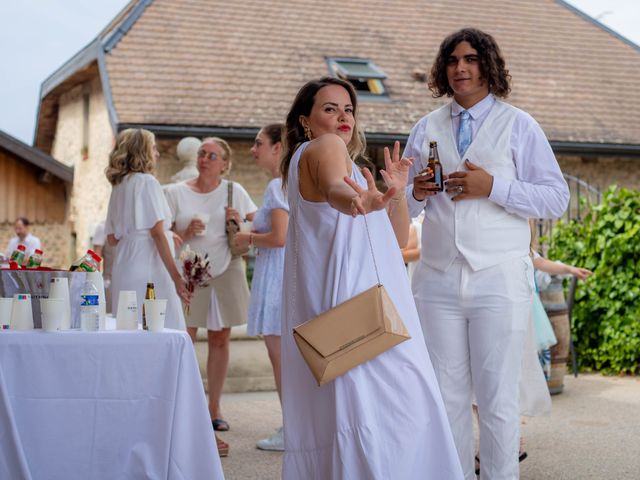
(138, 222)
(199, 210)
(383, 419)
(268, 236)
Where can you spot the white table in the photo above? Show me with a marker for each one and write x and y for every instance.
(103, 405)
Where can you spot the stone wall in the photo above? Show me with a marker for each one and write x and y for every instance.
(91, 191)
(603, 171)
(55, 238)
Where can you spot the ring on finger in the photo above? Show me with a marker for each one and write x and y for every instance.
(460, 189)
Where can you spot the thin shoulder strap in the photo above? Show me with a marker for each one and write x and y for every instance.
(230, 194)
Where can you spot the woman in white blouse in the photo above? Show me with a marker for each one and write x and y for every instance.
(138, 223)
(199, 209)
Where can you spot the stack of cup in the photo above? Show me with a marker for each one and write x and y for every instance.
(5, 312)
(21, 312)
(127, 315)
(59, 288)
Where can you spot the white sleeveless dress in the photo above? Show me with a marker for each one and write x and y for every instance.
(385, 418)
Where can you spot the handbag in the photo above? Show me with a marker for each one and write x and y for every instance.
(350, 333)
(232, 227)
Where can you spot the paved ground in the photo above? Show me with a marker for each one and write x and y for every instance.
(593, 433)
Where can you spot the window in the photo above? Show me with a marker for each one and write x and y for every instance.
(364, 75)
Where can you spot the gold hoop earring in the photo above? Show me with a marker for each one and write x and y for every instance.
(307, 133)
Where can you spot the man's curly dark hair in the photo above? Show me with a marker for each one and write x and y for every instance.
(492, 65)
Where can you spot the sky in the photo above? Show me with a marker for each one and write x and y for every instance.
(38, 36)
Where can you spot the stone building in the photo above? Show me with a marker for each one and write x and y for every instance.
(209, 67)
(35, 186)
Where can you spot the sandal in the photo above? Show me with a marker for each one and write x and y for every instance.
(223, 447)
(522, 455)
(220, 425)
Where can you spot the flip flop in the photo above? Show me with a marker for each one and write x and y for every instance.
(220, 425)
(223, 447)
(521, 456)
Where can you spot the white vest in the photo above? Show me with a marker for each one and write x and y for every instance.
(483, 232)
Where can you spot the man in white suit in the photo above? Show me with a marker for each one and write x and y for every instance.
(473, 286)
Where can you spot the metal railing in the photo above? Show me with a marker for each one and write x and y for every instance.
(583, 194)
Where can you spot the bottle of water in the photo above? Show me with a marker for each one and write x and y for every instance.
(89, 308)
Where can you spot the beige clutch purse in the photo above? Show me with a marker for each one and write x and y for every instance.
(351, 333)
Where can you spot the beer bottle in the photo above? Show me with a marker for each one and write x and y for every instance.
(435, 166)
(150, 295)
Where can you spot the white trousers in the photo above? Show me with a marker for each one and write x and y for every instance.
(474, 324)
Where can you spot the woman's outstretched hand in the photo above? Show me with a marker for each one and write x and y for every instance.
(369, 199)
(396, 169)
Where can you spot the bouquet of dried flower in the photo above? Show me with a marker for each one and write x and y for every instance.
(195, 269)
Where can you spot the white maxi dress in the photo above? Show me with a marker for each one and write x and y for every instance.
(384, 419)
(136, 205)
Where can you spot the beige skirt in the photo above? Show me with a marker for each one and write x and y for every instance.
(231, 294)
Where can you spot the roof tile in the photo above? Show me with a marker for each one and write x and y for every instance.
(240, 63)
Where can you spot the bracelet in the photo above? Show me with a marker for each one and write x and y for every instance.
(413, 194)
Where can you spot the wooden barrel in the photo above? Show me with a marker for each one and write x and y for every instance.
(556, 307)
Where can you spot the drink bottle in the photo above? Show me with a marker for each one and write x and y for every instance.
(89, 307)
(150, 295)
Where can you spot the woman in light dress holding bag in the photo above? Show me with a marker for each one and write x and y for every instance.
(199, 211)
(384, 418)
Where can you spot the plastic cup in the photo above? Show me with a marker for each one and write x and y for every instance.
(21, 312)
(52, 312)
(5, 312)
(59, 288)
(204, 218)
(127, 313)
(155, 311)
(246, 226)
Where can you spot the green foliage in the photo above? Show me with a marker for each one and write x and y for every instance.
(606, 314)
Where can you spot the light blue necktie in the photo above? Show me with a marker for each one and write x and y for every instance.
(464, 132)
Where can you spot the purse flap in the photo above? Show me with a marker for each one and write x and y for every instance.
(345, 324)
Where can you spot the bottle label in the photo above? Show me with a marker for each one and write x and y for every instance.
(34, 261)
(86, 267)
(89, 300)
(17, 256)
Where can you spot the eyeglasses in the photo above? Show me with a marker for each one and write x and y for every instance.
(208, 155)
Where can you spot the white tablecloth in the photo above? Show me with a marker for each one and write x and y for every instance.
(103, 405)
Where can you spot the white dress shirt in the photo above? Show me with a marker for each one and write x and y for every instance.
(31, 242)
(540, 190)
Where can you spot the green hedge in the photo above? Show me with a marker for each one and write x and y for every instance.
(606, 315)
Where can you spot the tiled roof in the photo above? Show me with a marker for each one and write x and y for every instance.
(239, 63)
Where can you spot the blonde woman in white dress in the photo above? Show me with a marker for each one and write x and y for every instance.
(138, 223)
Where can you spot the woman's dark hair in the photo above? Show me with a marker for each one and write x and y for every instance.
(492, 65)
(275, 132)
(302, 105)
